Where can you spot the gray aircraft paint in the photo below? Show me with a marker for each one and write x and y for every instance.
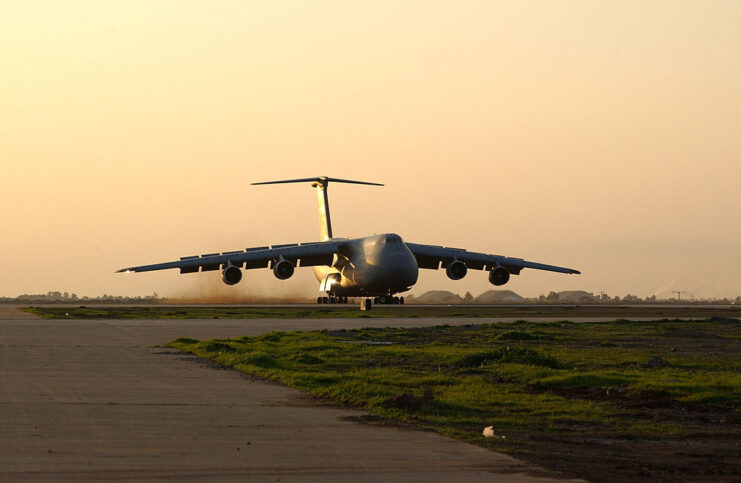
(375, 265)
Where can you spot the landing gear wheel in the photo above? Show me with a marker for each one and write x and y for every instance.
(388, 300)
(325, 300)
(318, 300)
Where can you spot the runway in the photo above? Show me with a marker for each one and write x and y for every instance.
(92, 399)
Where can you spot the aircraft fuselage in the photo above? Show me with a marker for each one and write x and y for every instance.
(369, 266)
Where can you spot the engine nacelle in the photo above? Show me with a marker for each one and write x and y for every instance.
(283, 269)
(499, 276)
(456, 270)
(231, 275)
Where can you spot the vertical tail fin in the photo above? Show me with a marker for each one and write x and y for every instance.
(321, 183)
(325, 221)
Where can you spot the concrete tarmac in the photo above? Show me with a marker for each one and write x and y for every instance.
(95, 399)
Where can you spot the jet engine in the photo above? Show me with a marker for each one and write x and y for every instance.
(456, 270)
(283, 269)
(231, 275)
(499, 276)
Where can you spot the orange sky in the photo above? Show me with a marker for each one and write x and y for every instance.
(601, 136)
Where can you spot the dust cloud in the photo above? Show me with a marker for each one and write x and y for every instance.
(207, 288)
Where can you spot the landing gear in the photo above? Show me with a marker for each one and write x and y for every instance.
(388, 300)
(381, 300)
(331, 300)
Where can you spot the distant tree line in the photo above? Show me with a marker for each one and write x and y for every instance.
(577, 296)
(69, 298)
(565, 297)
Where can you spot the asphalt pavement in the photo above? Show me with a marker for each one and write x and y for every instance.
(98, 399)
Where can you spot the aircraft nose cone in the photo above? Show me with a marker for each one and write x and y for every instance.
(401, 270)
(393, 268)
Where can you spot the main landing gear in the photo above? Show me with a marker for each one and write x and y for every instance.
(331, 300)
(388, 300)
(365, 303)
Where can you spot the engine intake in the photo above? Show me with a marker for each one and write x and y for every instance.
(231, 275)
(283, 269)
(456, 270)
(499, 276)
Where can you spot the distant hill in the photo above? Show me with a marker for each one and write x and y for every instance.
(436, 297)
(446, 297)
(498, 297)
(575, 296)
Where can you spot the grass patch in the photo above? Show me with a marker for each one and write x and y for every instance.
(258, 359)
(304, 358)
(507, 354)
(214, 346)
(542, 377)
(560, 392)
(185, 340)
(515, 335)
(588, 379)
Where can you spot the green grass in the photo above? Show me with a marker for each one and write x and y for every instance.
(522, 377)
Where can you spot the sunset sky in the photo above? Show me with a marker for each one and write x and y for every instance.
(604, 136)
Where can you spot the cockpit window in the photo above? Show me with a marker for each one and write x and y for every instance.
(392, 238)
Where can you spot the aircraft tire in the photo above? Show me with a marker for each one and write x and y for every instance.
(401, 300)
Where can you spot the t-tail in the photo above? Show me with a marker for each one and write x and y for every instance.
(321, 183)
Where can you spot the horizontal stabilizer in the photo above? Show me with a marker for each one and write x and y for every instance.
(319, 179)
(321, 183)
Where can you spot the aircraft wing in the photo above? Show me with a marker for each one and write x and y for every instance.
(433, 257)
(300, 254)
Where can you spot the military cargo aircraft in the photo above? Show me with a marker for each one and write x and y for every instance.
(374, 267)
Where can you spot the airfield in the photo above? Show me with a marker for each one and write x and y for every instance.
(103, 398)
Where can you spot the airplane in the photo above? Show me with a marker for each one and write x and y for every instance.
(375, 267)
